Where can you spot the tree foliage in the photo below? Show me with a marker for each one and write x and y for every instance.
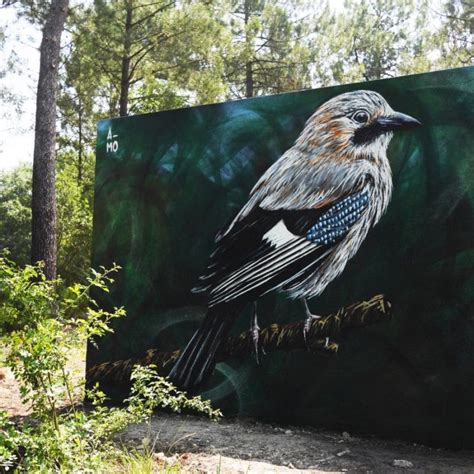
(272, 48)
(11, 103)
(142, 56)
(135, 56)
(15, 213)
(74, 219)
(379, 39)
(454, 41)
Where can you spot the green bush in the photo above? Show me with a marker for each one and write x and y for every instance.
(15, 212)
(41, 324)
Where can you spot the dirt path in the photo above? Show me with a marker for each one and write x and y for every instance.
(10, 400)
(244, 446)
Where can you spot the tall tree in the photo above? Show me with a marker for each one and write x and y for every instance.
(271, 45)
(81, 100)
(378, 39)
(146, 55)
(454, 41)
(43, 245)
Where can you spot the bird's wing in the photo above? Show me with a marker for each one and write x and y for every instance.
(265, 249)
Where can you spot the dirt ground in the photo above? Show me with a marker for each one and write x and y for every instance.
(246, 446)
(233, 446)
(10, 400)
(10, 394)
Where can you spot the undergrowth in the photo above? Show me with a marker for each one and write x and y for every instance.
(41, 323)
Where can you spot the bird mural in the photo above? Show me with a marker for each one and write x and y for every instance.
(305, 218)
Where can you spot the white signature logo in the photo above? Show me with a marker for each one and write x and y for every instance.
(112, 143)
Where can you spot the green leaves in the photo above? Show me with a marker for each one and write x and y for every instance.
(11, 439)
(150, 391)
(74, 215)
(272, 48)
(25, 296)
(169, 49)
(453, 42)
(15, 213)
(42, 323)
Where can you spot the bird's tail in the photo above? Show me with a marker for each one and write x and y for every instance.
(197, 361)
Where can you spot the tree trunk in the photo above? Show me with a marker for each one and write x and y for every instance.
(125, 78)
(79, 157)
(43, 244)
(248, 80)
(248, 65)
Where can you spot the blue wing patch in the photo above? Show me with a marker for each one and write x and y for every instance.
(337, 221)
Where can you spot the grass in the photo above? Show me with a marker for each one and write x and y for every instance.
(134, 461)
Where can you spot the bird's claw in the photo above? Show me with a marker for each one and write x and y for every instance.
(307, 325)
(310, 317)
(255, 333)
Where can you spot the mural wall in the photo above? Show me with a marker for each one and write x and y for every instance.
(397, 359)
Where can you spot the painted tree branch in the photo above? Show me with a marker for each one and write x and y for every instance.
(273, 338)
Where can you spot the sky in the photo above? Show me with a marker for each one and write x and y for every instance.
(17, 130)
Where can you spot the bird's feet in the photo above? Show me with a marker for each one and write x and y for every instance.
(255, 332)
(310, 317)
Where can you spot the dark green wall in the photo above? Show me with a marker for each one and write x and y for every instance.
(178, 176)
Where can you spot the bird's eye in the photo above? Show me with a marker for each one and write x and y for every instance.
(361, 116)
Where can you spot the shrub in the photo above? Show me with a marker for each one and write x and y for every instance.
(41, 323)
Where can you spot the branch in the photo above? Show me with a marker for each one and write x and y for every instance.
(153, 13)
(273, 338)
(137, 62)
(147, 37)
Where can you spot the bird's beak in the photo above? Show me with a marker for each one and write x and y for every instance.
(397, 121)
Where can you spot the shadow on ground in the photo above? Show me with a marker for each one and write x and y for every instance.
(246, 446)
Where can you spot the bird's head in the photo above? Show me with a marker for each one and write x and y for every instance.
(355, 125)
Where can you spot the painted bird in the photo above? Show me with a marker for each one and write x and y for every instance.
(304, 219)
